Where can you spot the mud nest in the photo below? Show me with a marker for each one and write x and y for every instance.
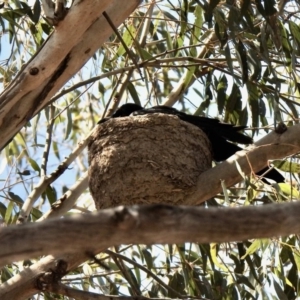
(145, 160)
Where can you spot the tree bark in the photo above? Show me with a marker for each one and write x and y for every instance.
(27, 282)
(148, 224)
(67, 49)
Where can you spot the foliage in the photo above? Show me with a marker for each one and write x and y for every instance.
(236, 60)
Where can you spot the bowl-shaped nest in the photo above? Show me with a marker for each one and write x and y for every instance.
(147, 159)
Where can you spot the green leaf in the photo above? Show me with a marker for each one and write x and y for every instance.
(2, 210)
(229, 59)
(284, 37)
(69, 122)
(255, 65)
(189, 76)
(36, 214)
(287, 49)
(137, 275)
(148, 258)
(205, 253)
(295, 30)
(168, 265)
(134, 279)
(221, 93)
(6, 274)
(8, 213)
(145, 54)
(12, 18)
(253, 97)
(46, 28)
(279, 291)
(293, 109)
(166, 34)
(183, 17)
(245, 280)
(34, 165)
(260, 7)
(296, 256)
(234, 97)
(177, 283)
(198, 23)
(286, 166)
(220, 28)
(214, 253)
(51, 194)
(242, 58)
(36, 11)
(233, 292)
(245, 6)
(133, 93)
(233, 21)
(127, 37)
(256, 245)
(55, 149)
(289, 191)
(218, 279)
(15, 198)
(262, 107)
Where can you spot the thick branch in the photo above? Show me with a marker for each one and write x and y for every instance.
(62, 289)
(24, 285)
(272, 146)
(240, 223)
(64, 53)
(147, 225)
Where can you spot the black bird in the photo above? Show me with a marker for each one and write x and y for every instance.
(221, 135)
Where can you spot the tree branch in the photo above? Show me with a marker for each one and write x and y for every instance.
(67, 200)
(147, 225)
(253, 158)
(106, 227)
(24, 284)
(47, 180)
(84, 295)
(64, 53)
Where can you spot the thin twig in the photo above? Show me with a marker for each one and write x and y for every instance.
(147, 271)
(47, 141)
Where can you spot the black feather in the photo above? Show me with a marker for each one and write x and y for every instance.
(221, 135)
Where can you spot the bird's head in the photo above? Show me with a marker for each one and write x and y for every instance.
(126, 110)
